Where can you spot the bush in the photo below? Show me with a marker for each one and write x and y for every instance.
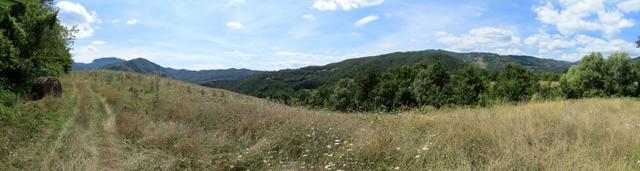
(431, 87)
(344, 95)
(33, 43)
(515, 83)
(468, 86)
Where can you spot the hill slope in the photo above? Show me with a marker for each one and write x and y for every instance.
(121, 121)
(144, 66)
(315, 76)
(96, 64)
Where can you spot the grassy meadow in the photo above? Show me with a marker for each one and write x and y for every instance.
(123, 121)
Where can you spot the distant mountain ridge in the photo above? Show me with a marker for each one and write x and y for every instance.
(144, 66)
(96, 63)
(315, 76)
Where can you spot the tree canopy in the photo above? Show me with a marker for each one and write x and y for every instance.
(33, 43)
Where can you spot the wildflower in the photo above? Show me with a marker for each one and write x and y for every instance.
(329, 166)
(418, 156)
(396, 168)
(398, 148)
(305, 155)
(329, 146)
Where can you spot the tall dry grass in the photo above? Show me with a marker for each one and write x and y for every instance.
(169, 125)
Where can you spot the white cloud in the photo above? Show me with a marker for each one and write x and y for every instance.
(115, 21)
(613, 21)
(591, 44)
(132, 21)
(549, 44)
(583, 15)
(234, 25)
(346, 5)
(75, 15)
(366, 20)
(484, 39)
(98, 42)
(629, 6)
(309, 17)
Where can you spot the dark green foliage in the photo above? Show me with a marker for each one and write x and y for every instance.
(585, 79)
(32, 44)
(319, 98)
(515, 83)
(469, 85)
(315, 76)
(366, 82)
(394, 90)
(596, 77)
(432, 86)
(620, 76)
(344, 95)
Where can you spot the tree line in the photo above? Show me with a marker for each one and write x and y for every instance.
(434, 85)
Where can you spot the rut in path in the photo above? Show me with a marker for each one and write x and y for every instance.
(85, 140)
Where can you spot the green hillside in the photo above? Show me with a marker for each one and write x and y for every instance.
(144, 66)
(122, 121)
(316, 76)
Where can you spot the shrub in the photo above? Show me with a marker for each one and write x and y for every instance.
(431, 86)
(515, 83)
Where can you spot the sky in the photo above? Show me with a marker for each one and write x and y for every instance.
(286, 34)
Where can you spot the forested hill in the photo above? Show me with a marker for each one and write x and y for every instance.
(314, 76)
(144, 66)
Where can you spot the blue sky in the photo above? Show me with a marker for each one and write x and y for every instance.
(280, 34)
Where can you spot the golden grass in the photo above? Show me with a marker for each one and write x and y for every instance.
(168, 125)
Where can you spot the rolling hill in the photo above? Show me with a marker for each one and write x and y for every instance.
(109, 120)
(144, 66)
(96, 63)
(314, 76)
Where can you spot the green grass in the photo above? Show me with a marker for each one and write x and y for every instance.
(137, 122)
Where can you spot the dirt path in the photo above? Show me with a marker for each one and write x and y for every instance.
(85, 140)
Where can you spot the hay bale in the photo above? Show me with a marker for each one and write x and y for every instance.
(44, 86)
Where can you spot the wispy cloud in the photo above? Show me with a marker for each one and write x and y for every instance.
(132, 21)
(366, 20)
(234, 25)
(75, 15)
(346, 5)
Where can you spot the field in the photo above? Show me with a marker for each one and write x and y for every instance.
(123, 121)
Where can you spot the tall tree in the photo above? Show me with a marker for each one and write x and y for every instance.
(431, 86)
(344, 95)
(620, 79)
(515, 83)
(367, 81)
(469, 84)
(586, 79)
